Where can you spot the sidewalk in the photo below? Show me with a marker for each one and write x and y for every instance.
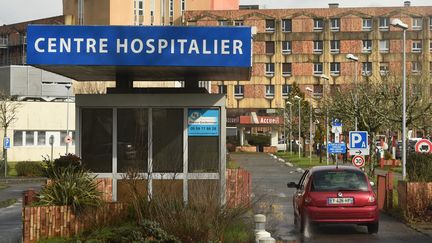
(12, 180)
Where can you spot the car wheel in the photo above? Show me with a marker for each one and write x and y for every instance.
(372, 228)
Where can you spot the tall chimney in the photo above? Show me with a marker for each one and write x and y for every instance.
(333, 5)
(407, 4)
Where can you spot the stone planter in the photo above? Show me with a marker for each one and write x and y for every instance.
(246, 149)
(271, 149)
(415, 199)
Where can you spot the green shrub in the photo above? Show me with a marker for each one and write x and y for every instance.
(387, 155)
(146, 232)
(419, 167)
(68, 160)
(27, 168)
(202, 219)
(71, 186)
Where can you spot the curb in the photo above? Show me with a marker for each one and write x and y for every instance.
(22, 180)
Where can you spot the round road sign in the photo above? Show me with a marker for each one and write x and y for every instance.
(358, 161)
(423, 146)
(68, 139)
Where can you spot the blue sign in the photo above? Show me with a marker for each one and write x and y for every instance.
(337, 148)
(336, 123)
(6, 143)
(203, 122)
(358, 140)
(139, 46)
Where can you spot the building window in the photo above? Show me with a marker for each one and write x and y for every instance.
(430, 23)
(318, 25)
(167, 138)
(366, 68)
(367, 46)
(286, 89)
(367, 24)
(384, 68)
(417, 23)
(286, 25)
(97, 139)
(335, 68)
(430, 46)
(238, 91)
(384, 23)
(269, 47)
(238, 23)
(334, 46)
(132, 142)
(171, 8)
(335, 24)
(270, 25)
(416, 46)
(318, 90)
(222, 89)
(286, 47)
(317, 68)
(269, 91)
(286, 69)
(18, 138)
(29, 138)
(41, 138)
(183, 6)
(384, 46)
(223, 23)
(318, 47)
(415, 68)
(269, 69)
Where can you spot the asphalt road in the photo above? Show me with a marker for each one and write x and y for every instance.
(10, 217)
(274, 199)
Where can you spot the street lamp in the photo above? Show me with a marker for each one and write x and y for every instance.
(310, 126)
(355, 59)
(68, 86)
(290, 119)
(299, 131)
(399, 24)
(326, 79)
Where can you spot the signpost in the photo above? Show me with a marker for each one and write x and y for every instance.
(358, 161)
(336, 147)
(203, 122)
(358, 143)
(423, 146)
(6, 143)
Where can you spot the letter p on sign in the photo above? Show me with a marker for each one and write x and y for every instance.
(358, 140)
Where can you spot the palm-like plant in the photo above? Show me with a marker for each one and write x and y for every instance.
(71, 186)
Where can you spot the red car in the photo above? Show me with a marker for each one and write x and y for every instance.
(330, 194)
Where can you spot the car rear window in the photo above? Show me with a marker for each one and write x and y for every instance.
(339, 180)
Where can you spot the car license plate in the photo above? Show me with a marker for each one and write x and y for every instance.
(340, 200)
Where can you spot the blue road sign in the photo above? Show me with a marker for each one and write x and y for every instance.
(336, 123)
(139, 46)
(6, 143)
(337, 148)
(358, 140)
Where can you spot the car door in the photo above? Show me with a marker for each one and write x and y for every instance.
(298, 196)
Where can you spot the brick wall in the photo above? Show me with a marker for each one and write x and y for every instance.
(254, 91)
(302, 47)
(302, 68)
(351, 24)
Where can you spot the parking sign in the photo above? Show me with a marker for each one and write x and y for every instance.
(358, 143)
(6, 143)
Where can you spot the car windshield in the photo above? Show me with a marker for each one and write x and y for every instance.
(339, 180)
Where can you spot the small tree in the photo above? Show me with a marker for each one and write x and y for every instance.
(304, 112)
(8, 115)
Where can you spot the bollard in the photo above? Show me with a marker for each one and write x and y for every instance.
(260, 233)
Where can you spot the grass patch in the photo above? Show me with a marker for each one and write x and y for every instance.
(7, 203)
(302, 162)
(3, 186)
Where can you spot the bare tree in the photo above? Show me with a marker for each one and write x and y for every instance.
(8, 115)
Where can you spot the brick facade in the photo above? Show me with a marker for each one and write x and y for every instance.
(302, 36)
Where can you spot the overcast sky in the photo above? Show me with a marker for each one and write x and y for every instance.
(14, 11)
